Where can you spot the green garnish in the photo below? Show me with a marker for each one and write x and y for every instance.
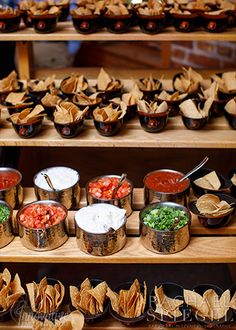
(4, 213)
(162, 218)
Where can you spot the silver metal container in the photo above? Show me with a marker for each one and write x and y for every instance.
(69, 197)
(12, 195)
(6, 235)
(123, 203)
(164, 241)
(101, 244)
(43, 239)
(152, 196)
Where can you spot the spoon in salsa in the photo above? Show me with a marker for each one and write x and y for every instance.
(196, 168)
(122, 180)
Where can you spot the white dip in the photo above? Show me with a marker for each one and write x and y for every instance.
(61, 178)
(99, 218)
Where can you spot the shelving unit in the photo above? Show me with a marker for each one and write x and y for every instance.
(206, 246)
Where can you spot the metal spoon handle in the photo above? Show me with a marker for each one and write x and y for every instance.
(49, 182)
(122, 179)
(194, 169)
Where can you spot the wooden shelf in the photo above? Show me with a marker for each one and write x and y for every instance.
(65, 31)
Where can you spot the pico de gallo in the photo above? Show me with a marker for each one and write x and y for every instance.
(103, 188)
(166, 181)
(42, 215)
(8, 179)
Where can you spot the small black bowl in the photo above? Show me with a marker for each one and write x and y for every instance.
(70, 95)
(15, 311)
(131, 110)
(149, 95)
(231, 18)
(118, 23)
(91, 107)
(109, 94)
(108, 128)
(3, 95)
(28, 130)
(173, 105)
(233, 187)
(69, 130)
(64, 12)
(194, 123)
(153, 122)
(9, 23)
(192, 95)
(231, 119)
(185, 22)
(200, 289)
(125, 320)
(215, 222)
(26, 18)
(38, 94)
(151, 24)
(215, 23)
(31, 103)
(44, 23)
(86, 24)
(199, 191)
(173, 291)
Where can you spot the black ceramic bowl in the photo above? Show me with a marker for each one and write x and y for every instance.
(86, 24)
(3, 95)
(199, 191)
(31, 103)
(149, 95)
(28, 130)
(233, 187)
(231, 18)
(173, 105)
(108, 128)
(44, 23)
(153, 122)
(38, 94)
(125, 320)
(205, 321)
(185, 23)
(110, 94)
(151, 24)
(215, 222)
(118, 23)
(15, 311)
(26, 18)
(69, 130)
(9, 22)
(91, 107)
(131, 110)
(64, 12)
(173, 291)
(70, 95)
(215, 23)
(194, 123)
(193, 94)
(231, 119)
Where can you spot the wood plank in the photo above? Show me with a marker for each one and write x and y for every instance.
(65, 31)
(24, 53)
(200, 250)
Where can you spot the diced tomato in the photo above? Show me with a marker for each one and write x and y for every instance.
(42, 215)
(103, 188)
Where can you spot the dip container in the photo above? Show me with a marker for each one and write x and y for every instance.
(123, 203)
(42, 239)
(101, 244)
(69, 197)
(154, 195)
(14, 194)
(6, 235)
(164, 241)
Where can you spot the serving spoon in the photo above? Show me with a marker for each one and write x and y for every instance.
(48, 180)
(121, 181)
(196, 168)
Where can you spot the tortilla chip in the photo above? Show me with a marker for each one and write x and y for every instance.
(196, 301)
(99, 294)
(209, 181)
(114, 298)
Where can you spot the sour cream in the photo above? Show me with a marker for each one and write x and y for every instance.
(99, 218)
(61, 178)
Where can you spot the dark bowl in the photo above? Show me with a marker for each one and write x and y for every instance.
(125, 320)
(69, 130)
(214, 23)
(108, 128)
(149, 95)
(49, 111)
(64, 12)
(194, 123)
(131, 110)
(31, 103)
(91, 319)
(15, 311)
(151, 24)
(91, 107)
(231, 119)
(38, 94)
(153, 122)
(193, 95)
(173, 291)
(9, 23)
(28, 130)
(231, 18)
(86, 24)
(185, 23)
(173, 105)
(118, 23)
(3, 95)
(44, 23)
(199, 191)
(67, 94)
(233, 187)
(217, 108)
(215, 222)
(26, 18)
(110, 94)
(205, 321)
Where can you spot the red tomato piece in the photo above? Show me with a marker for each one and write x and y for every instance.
(103, 188)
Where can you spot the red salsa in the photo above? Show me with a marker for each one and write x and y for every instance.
(103, 188)
(8, 179)
(42, 215)
(166, 182)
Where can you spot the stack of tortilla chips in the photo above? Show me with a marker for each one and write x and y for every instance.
(167, 306)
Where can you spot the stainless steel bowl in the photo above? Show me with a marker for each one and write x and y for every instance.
(123, 203)
(152, 196)
(69, 197)
(12, 195)
(6, 235)
(101, 244)
(164, 241)
(43, 239)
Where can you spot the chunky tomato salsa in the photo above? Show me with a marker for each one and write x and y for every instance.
(8, 179)
(103, 188)
(165, 182)
(42, 215)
